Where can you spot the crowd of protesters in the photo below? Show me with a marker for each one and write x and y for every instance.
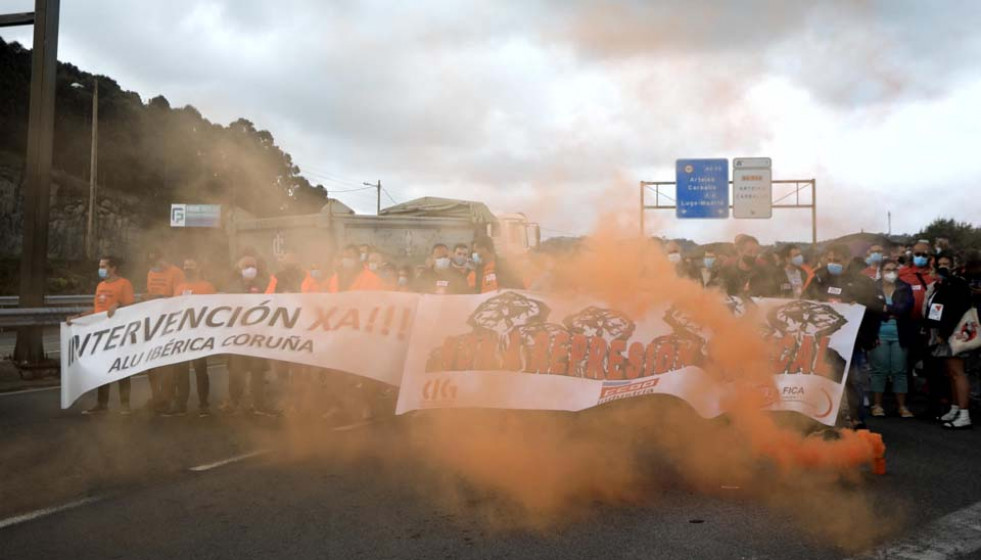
(915, 297)
(464, 269)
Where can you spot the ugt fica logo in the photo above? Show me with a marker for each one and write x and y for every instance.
(438, 390)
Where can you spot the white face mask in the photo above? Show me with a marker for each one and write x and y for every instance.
(674, 257)
(249, 273)
(373, 267)
(890, 277)
(442, 263)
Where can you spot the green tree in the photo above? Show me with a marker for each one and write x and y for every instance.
(962, 235)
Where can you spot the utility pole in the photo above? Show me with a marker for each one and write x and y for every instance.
(378, 188)
(93, 175)
(37, 187)
(889, 215)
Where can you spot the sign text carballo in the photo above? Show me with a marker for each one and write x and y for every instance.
(752, 188)
(702, 188)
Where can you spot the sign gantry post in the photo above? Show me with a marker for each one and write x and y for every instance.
(37, 188)
(701, 191)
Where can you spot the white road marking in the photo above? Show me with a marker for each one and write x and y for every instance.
(948, 537)
(35, 390)
(46, 511)
(237, 458)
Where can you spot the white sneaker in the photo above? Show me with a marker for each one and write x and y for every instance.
(960, 422)
(951, 414)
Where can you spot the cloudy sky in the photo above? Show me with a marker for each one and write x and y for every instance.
(559, 108)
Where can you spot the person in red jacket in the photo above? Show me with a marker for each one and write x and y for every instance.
(918, 273)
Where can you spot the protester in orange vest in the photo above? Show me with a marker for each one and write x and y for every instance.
(351, 276)
(161, 282)
(316, 280)
(113, 292)
(193, 285)
(488, 274)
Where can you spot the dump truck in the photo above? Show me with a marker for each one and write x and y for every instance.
(405, 233)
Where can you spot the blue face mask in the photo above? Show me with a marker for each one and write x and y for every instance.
(103, 273)
(873, 259)
(920, 261)
(835, 269)
(709, 262)
(476, 258)
(797, 260)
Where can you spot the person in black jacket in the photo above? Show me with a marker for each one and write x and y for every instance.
(840, 281)
(945, 305)
(747, 275)
(888, 356)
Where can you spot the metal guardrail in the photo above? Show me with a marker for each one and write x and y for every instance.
(37, 316)
(50, 301)
(55, 301)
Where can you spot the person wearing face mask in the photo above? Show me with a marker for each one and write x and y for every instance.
(113, 292)
(794, 276)
(316, 279)
(404, 279)
(747, 275)
(673, 251)
(945, 304)
(919, 275)
(888, 357)
(193, 285)
(352, 276)
(460, 259)
(440, 278)
(488, 274)
(840, 281)
(247, 369)
(704, 270)
(873, 261)
(161, 282)
(345, 392)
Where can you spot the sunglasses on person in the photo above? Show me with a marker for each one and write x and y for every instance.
(921, 254)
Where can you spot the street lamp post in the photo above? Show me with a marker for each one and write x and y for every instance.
(93, 171)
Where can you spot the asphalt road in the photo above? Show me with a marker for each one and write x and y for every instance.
(247, 487)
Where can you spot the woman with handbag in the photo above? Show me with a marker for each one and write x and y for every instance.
(945, 305)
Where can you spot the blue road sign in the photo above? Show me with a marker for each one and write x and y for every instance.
(702, 188)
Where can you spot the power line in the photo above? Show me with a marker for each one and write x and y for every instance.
(327, 175)
(332, 191)
(384, 190)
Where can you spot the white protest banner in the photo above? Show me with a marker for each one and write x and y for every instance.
(365, 333)
(531, 351)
